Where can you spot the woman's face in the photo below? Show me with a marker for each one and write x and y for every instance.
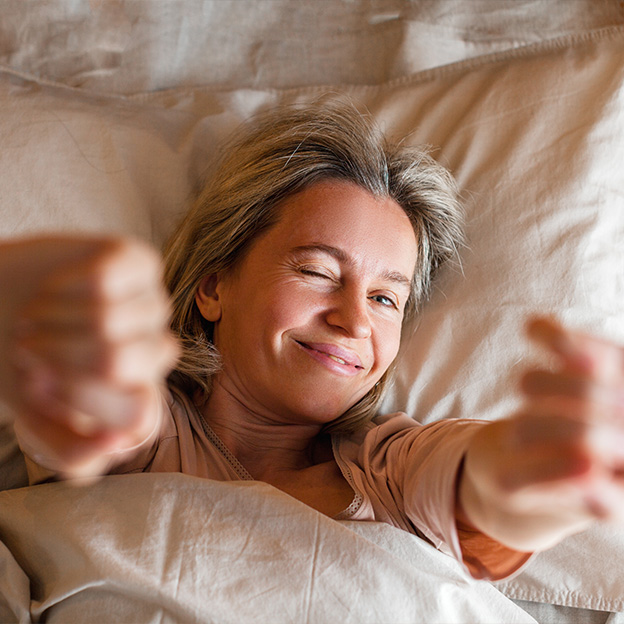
(311, 318)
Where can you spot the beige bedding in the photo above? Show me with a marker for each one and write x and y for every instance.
(534, 134)
(172, 548)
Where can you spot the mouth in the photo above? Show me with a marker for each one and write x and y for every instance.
(332, 354)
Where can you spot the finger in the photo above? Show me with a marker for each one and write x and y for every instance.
(58, 435)
(515, 452)
(541, 465)
(542, 383)
(588, 495)
(117, 269)
(578, 351)
(544, 426)
(133, 410)
(551, 424)
(56, 447)
(144, 359)
(550, 334)
(566, 408)
(541, 447)
(140, 314)
(82, 404)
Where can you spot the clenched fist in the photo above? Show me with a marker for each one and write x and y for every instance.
(85, 341)
(557, 465)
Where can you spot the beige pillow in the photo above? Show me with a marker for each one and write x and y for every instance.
(130, 46)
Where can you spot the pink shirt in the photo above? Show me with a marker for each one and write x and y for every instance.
(401, 472)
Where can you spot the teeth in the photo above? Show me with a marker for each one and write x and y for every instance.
(336, 359)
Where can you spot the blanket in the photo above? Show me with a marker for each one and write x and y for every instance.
(173, 548)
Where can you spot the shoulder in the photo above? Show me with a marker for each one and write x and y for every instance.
(396, 434)
(179, 410)
(383, 424)
(375, 435)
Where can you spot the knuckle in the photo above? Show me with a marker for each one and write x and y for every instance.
(103, 324)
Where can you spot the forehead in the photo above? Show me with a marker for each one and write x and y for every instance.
(370, 230)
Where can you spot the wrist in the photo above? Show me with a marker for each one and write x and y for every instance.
(515, 519)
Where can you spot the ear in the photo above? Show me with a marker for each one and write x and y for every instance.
(207, 298)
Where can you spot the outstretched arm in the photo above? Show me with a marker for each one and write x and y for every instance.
(558, 465)
(84, 345)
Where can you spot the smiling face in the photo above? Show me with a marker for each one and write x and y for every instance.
(311, 318)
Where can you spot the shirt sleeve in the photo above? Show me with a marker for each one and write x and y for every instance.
(410, 471)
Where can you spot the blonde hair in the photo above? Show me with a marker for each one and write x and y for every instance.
(277, 154)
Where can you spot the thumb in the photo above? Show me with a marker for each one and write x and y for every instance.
(572, 349)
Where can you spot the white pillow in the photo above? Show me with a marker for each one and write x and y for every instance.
(535, 138)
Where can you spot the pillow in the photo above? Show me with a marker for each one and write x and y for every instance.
(128, 46)
(535, 137)
(536, 145)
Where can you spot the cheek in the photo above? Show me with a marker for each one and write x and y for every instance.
(387, 343)
(267, 319)
(291, 306)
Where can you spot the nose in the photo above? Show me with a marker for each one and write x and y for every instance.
(350, 313)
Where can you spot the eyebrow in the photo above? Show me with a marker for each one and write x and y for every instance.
(337, 253)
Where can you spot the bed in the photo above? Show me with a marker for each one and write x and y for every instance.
(110, 112)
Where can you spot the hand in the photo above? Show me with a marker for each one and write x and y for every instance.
(558, 465)
(89, 344)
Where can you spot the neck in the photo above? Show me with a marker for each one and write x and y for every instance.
(263, 443)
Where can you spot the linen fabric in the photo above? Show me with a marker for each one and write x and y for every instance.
(535, 136)
(133, 46)
(172, 548)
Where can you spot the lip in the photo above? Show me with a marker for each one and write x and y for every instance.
(333, 356)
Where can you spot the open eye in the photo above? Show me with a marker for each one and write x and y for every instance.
(386, 301)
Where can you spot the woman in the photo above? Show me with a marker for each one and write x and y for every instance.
(290, 281)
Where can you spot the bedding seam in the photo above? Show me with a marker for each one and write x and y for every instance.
(575, 40)
(528, 51)
(569, 598)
